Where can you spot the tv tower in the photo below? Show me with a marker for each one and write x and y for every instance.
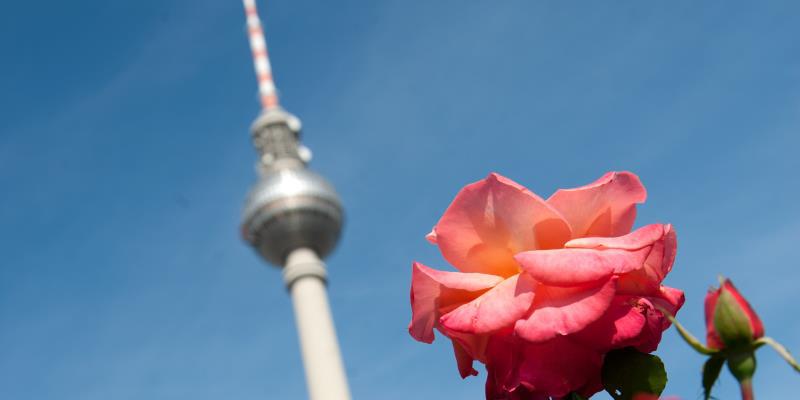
(293, 218)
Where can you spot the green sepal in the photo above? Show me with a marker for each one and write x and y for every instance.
(627, 372)
(731, 322)
(742, 365)
(711, 370)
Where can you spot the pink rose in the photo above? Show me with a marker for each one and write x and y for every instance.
(545, 288)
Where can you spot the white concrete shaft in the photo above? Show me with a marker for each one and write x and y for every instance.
(304, 275)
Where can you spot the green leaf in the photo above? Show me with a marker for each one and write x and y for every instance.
(711, 370)
(627, 372)
(575, 396)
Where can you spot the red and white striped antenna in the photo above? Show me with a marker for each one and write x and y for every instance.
(258, 44)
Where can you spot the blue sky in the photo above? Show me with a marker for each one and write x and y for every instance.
(125, 159)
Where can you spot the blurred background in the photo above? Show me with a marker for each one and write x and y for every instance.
(125, 159)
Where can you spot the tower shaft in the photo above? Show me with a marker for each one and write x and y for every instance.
(304, 274)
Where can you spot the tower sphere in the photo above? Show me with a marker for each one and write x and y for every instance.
(290, 208)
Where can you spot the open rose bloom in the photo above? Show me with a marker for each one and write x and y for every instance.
(545, 287)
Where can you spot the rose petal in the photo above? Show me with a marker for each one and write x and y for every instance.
(670, 298)
(496, 309)
(655, 320)
(656, 324)
(620, 325)
(712, 338)
(642, 237)
(464, 361)
(660, 241)
(491, 220)
(473, 345)
(606, 207)
(501, 367)
(562, 311)
(594, 385)
(494, 391)
(555, 367)
(647, 279)
(570, 267)
(431, 237)
(434, 292)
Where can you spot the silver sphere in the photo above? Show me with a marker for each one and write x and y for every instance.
(291, 208)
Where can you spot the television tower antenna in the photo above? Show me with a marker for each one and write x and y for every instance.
(293, 218)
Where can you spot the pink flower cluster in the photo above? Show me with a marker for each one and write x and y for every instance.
(545, 287)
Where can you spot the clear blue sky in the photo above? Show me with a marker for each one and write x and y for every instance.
(125, 159)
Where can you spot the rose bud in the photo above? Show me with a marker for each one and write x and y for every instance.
(730, 321)
(733, 333)
(733, 326)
